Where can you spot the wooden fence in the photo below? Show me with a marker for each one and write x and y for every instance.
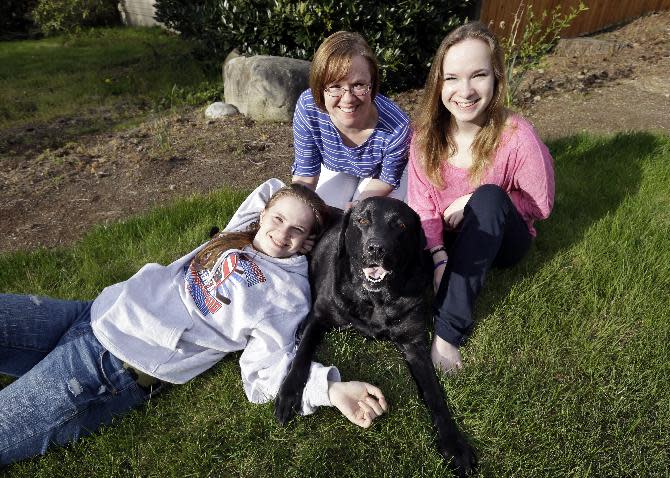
(600, 15)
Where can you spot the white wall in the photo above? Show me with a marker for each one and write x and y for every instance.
(138, 13)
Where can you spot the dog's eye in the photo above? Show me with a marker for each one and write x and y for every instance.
(401, 225)
(362, 221)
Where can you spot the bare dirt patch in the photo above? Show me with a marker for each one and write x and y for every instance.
(53, 190)
(624, 90)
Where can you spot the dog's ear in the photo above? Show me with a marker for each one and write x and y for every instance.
(341, 240)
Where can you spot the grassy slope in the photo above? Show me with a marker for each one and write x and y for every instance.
(566, 374)
(106, 70)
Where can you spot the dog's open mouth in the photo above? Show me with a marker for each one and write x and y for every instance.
(375, 273)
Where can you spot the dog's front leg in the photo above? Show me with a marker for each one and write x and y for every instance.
(289, 398)
(452, 444)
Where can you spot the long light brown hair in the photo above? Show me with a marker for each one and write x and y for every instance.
(332, 61)
(223, 241)
(434, 129)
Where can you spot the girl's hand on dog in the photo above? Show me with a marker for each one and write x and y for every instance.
(360, 402)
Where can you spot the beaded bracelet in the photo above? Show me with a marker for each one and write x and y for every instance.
(441, 248)
(440, 263)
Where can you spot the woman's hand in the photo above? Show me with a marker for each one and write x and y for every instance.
(453, 215)
(360, 402)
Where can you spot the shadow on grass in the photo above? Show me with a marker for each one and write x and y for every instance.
(594, 174)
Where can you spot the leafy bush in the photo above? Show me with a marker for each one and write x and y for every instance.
(15, 18)
(70, 16)
(403, 34)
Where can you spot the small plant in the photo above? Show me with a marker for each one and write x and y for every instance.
(162, 139)
(194, 95)
(525, 49)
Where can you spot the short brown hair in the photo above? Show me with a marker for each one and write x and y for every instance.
(332, 61)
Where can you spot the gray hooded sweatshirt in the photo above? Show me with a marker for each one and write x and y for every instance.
(174, 322)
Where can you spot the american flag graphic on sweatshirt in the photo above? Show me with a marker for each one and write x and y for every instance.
(205, 285)
(204, 301)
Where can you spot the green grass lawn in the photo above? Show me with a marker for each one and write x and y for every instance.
(105, 72)
(566, 373)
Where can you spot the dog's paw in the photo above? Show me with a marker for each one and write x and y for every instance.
(461, 457)
(287, 403)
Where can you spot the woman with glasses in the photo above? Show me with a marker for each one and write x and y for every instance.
(350, 141)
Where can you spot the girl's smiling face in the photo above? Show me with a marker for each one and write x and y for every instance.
(468, 81)
(284, 226)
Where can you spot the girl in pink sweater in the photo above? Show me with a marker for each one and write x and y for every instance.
(479, 176)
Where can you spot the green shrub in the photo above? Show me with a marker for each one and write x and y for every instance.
(403, 34)
(15, 19)
(70, 16)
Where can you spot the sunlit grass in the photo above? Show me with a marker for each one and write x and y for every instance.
(566, 373)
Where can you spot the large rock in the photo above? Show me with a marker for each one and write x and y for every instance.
(265, 88)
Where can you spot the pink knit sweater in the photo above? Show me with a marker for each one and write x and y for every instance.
(522, 167)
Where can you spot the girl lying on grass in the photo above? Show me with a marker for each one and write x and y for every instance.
(81, 363)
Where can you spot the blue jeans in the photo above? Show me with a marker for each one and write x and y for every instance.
(68, 384)
(492, 234)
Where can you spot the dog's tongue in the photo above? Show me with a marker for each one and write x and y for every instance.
(375, 273)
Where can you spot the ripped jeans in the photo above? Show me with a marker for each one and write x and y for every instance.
(68, 384)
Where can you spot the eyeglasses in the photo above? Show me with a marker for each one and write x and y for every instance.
(356, 90)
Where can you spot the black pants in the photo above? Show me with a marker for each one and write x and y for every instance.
(492, 234)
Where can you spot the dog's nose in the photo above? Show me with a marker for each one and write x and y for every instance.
(375, 247)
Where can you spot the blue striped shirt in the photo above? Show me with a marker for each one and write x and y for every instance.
(383, 155)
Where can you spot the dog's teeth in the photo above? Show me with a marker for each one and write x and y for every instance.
(375, 274)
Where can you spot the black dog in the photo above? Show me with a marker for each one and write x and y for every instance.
(370, 272)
